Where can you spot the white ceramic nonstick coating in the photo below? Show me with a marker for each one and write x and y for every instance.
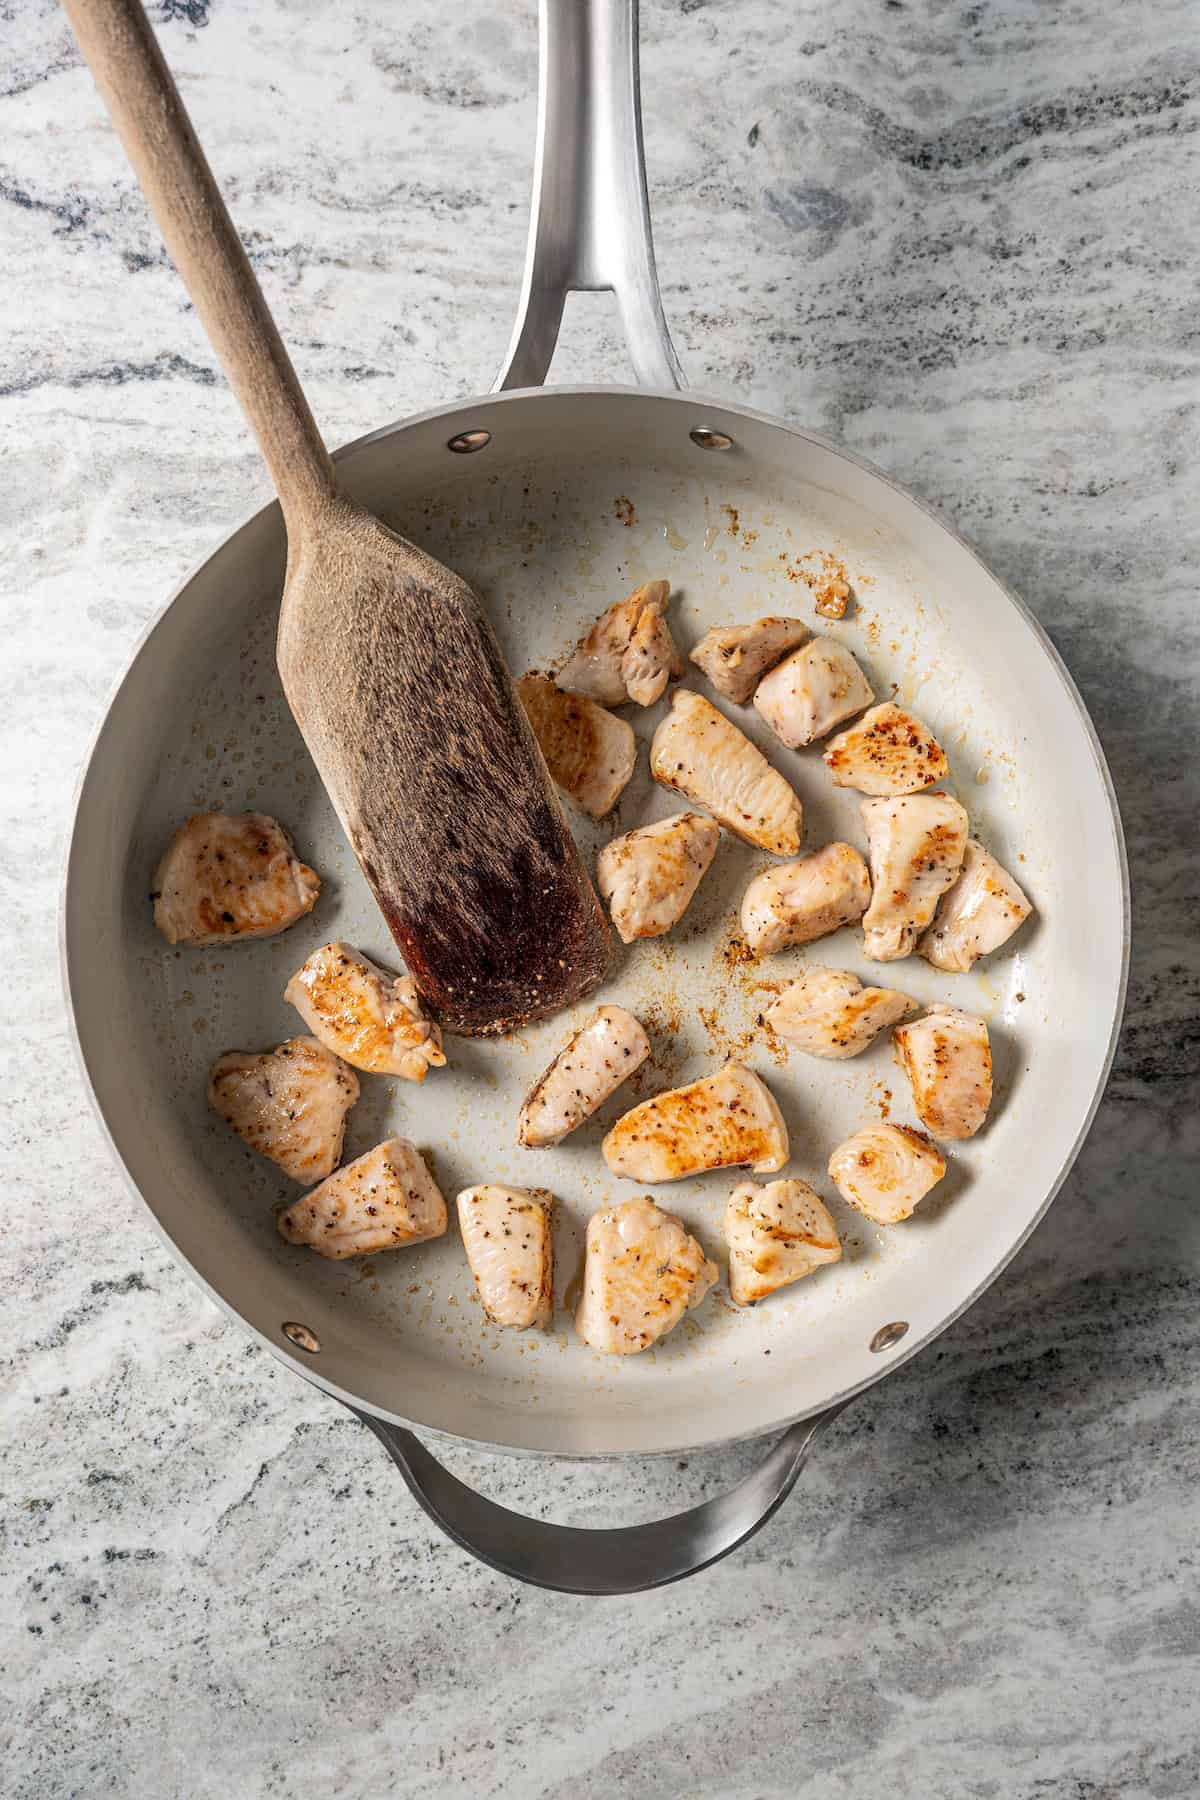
(580, 495)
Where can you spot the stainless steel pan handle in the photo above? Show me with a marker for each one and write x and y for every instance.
(623, 1560)
(589, 228)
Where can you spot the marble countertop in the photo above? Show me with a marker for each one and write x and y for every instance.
(964, 240)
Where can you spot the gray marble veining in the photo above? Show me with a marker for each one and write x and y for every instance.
(962, 238)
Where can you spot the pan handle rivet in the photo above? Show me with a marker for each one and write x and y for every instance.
(710, 440)
(887, 1335)
(467, 442)
(301, 1336)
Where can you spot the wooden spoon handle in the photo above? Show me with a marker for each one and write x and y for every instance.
(137, 88)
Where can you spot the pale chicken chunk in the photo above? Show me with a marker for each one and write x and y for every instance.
(289, 1104)
(643, 1271)
(736, 657)
(978, 914)
(723, 1119)
(649, 876)
(590, 1066)
(885, 1171)
(506, 1234)
(369, 1018)
(384, 1200)
(947, 1057)
(916, 846)
(776, 1234)
(804, 900)
(704, 756)
(889, 751)
(226, 876)
(628, 654)
(829, 1012)
(815, 689)
(589, 752)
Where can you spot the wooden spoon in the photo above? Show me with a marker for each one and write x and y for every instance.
(388, 662)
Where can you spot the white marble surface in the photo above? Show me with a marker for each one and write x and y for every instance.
(965, 240)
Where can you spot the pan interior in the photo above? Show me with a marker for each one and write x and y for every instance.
(578, 497)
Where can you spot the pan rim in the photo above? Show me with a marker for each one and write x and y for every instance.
(712, 406)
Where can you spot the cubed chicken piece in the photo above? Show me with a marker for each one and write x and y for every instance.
(722, 1120)
(804, 900)
(776, 1234)
(371, 1019)
(628, 654)
(590, 1066)
(507, 1237)
(643, 1271)
(736, 657)
(948, 1060)
(704, 756)
(978, 914)
(885, 1171)
(289, 1104)
(648, 876)
(815, 689)
(829, 1012)
(589, 752)
(889, 751)
(226, 876)
(916, 847)
(384, 1200)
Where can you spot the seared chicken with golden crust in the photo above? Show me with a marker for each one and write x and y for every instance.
(649, 876)
(384, 1200)
(776, 1234)
(736, 657)
(800, 901)
(817, 688)
(289, 1104)
(589, 1067)
(704, 756)
(916, 846)
(978, 914)
(948, 1060)
(629, 653)
(506, 1234)
(642, 1273)
(589, 752)
(371, 1019)
(226, 876)
(829, 1012)
(885, 1171)
(724, 1119)
(889, 751)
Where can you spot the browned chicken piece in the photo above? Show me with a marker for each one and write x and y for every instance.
(226, 876)
(628, 654)
(776, 1234)
(384, 1200)
(832, 597)
(371, 1019)
(829, 1012)
(649, 876)
(507, 1237)
(643, 1271)
(589, 752)
(590, 1066)
(889, 751)
(724, 1119)
(978, 914)
(817, 688)
(916, 846)
(885, 1171)
(948, 1060)
(289, 1104)
(703, 755)
(736, 657)
(804, 900)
